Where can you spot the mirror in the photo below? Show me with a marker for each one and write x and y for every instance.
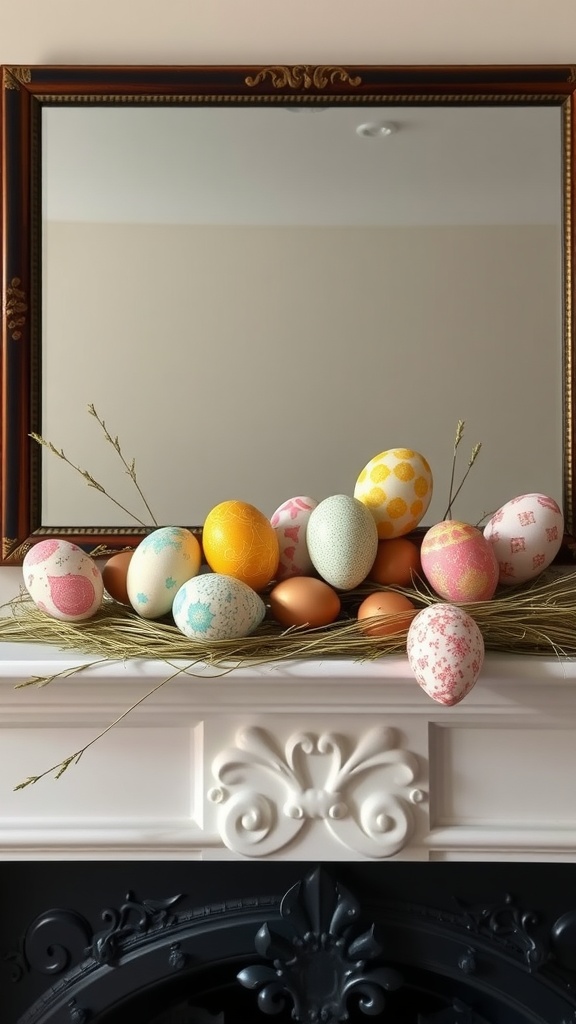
(261, 277)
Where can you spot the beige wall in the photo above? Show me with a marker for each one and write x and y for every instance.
(242, 31)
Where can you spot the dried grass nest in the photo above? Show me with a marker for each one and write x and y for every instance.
(537, 618)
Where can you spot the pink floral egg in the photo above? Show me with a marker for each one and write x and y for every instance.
(526, 534)
(459, 562)
(290, 521)
(445, 650)
(63, 580)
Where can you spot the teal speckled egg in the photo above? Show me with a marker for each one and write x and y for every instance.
(217, 607)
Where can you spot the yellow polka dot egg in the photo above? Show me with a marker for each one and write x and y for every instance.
(397, 487)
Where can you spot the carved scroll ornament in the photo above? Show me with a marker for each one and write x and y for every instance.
(265, 797)
(303, 76)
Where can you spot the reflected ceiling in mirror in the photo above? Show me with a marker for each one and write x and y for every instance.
(258, 297)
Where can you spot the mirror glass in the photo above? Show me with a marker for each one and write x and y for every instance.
(261, 277)
(258, 300)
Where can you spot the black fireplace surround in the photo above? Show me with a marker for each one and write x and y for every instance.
(244, 942)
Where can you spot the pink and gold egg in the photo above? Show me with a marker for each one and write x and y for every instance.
(459, 563)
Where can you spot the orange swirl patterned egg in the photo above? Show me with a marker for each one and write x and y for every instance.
(397, 487)
(459, 562)
(239, 541)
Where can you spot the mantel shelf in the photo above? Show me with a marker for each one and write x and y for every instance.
(295, 760)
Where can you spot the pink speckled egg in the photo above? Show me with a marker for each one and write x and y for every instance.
(446, 650)
(525, 534)
(63, 580)
(290, 521)
(459, 563)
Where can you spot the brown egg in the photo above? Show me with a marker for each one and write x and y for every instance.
(304, 601)
(399, 609)
(395, 563)
(114, 575)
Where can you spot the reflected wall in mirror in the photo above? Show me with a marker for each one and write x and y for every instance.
(262, 277)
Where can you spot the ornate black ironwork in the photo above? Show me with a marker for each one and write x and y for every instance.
(318, 955)
(18, 965)
(176, 957)
(135, 917)
(467, 962)
(50, 944)
(321, 963)
(77, 1014)
(563, 935)
(509, 923)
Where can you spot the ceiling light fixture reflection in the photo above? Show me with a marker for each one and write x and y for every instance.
(376, 130)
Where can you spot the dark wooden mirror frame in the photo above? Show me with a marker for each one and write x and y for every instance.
(25, 90)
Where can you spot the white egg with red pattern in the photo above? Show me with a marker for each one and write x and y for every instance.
(445, 650)
(63, 580)
(526, 534)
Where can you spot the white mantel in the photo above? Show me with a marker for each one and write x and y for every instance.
(332, 760)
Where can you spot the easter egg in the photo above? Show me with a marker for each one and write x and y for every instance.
(216, 607)
(115, 575)
(290, 521)
(304, 601)
(240, 541)
(161, 563)
(63, 580)
(397, 562)
(397, 487)
(397, 609)
(445, 650)
(525, 534)
(342, 540)
(458, 562)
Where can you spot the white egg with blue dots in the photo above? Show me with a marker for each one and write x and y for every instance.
(161, 563)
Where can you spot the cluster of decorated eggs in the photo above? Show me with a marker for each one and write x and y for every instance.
(306, 556)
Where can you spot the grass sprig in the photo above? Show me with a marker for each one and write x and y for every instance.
(129, 466)
(452, 495)
(57, 770)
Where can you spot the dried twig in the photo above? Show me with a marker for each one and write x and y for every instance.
(473, 456)
(130, 467)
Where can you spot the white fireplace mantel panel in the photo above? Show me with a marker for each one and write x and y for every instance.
(331, 760)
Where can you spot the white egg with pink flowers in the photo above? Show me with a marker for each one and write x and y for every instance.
(63, 580)
(446, 651)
